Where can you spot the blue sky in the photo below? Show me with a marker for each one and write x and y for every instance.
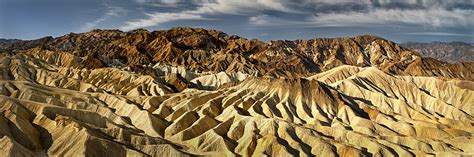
(397, 20)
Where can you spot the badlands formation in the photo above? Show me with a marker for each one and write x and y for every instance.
(193, 92)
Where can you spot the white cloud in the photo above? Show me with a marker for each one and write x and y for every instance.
(264, 20)
(156, 18)
(209, 7)
(259, 20)
(242, 6)
(425, 13)
(431, 17)
(158, 1)
(111, 12)
(438, 34)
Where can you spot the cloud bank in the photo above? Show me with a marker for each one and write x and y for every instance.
(422, 13)
(431, 17)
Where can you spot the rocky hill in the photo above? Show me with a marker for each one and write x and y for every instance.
(451, 52)
(192, 92)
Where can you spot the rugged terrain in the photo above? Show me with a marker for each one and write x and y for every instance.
(187, 91)
(451, 52)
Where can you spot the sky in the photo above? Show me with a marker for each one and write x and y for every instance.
(396, 20)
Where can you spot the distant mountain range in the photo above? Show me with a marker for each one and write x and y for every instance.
(450, 52)
(6, 42)
(210, 50)
(446, 51)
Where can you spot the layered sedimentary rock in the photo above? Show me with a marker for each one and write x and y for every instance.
(207, 93)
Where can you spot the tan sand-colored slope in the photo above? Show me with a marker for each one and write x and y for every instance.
(50, 108)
